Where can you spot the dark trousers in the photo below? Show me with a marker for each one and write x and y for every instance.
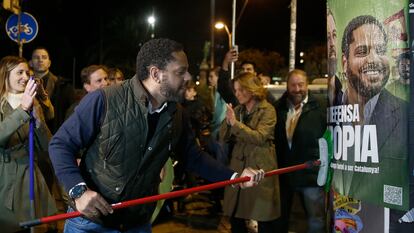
(313, 201)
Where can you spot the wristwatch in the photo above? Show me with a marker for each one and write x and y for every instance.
(77, 191)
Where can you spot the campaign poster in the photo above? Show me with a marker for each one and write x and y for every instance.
(369, 94)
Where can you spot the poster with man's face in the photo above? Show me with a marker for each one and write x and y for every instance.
(369, 92)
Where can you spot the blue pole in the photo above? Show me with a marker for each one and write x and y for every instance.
(31, 167)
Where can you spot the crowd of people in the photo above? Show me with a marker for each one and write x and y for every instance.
(112, 145)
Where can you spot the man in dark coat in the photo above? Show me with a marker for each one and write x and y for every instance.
(60, 91)
(301, 121)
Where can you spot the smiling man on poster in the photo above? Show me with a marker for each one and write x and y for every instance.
(370, 131)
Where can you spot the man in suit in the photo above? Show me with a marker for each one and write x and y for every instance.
(60, 91)
(334, 84)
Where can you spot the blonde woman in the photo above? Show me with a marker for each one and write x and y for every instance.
(251, 126)
(17, 98)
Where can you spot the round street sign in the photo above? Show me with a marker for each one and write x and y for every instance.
(28, 27)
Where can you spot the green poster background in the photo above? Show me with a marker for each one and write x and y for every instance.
(363, 187)
(345, 10)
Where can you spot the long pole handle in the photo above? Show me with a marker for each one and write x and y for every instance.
(233, 36)
(170, 195)
(31, 168)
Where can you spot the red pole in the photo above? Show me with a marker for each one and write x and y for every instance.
(170, 195)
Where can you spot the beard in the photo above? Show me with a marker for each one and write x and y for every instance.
(332, 52)
(296, 97)
(367, 86)
(332, 62)
(170, 94)
(405, 75)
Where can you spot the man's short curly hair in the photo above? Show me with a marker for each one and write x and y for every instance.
(156, 52)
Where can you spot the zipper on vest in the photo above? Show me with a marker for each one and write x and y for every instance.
(104, 163)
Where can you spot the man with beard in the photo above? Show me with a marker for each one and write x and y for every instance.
(334, 84)
(365, 62)
(401, 86)
(301, 121)
(366, 66)
(128, 132)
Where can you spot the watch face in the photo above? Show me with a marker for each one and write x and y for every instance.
(77, 191)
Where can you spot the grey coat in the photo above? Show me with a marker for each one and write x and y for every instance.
(14, 169)
(253, 148)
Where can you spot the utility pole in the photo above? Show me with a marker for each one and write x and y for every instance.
(233, 35)
(292, 43)
(212, 22)
(14, 6)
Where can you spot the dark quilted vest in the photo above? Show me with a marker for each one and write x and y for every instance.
(119, 165)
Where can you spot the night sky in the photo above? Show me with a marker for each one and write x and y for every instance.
(110, 32)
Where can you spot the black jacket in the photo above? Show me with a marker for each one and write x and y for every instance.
(310, 127)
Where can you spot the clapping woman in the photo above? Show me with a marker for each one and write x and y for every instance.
(250, 126)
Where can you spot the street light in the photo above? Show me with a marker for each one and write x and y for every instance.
(220, 25)
(151, 22)
(301, 55)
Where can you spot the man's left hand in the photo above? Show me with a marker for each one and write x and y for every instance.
(255, 177)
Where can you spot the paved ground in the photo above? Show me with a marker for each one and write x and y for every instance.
(197, 217)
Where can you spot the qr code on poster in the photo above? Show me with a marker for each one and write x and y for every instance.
(393, 195)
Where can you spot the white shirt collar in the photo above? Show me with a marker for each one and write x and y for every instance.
(158, 110)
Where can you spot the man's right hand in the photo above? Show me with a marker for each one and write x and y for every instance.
(231, 56)
(91, 204)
